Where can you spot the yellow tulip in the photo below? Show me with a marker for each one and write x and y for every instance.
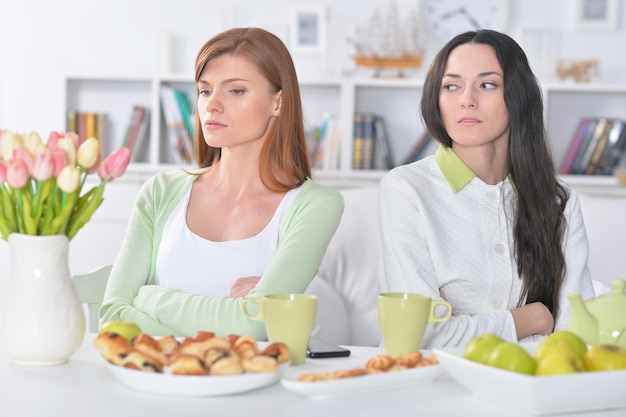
(10, 141)
(33, 142)
(88, 153)
(69, 179)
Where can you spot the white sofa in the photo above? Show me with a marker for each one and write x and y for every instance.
(347, 282)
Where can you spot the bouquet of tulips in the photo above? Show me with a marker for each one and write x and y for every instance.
(41, 184)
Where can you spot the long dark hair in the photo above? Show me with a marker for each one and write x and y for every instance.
(284, 160)
(539, 223)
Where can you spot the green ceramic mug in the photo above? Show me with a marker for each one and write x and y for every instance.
(289, 318)
(403, 318)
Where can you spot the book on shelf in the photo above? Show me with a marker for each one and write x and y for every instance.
(86, 124)
(576, 144)
(599, 147)
(383, 158)
(425, 145)
(371, 146)
(357, 142)
(591, 139)
(324, 143)
(178, 134)
(614, 150)
(137, 132)
(596, 148)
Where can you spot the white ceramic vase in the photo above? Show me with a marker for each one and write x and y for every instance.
(42, 321)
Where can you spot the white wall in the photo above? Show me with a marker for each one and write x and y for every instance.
(43, 41)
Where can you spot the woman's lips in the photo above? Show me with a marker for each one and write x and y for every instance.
(213, 125)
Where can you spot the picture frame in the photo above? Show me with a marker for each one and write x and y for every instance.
(308, 29)
(597, 14)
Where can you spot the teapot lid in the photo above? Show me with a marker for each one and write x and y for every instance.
(615, 296)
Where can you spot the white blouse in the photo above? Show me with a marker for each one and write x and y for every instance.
(196, 265)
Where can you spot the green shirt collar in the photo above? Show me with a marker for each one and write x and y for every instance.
(454, 169)
(456, 172)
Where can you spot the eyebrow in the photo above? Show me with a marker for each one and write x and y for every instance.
(228, 81)
(482, 74)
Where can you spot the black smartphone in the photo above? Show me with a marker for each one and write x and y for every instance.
(320, 349)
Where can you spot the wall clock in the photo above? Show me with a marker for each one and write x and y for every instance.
(447, 18)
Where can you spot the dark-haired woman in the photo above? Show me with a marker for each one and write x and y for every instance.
(484, 223)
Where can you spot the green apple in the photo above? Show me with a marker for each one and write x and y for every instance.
(126, 329)
(558, 363)
(512, 357)
(605, 358)
(570, 337)
(560, 347)
(479, 348)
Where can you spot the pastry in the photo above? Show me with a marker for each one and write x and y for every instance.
(259, 364)
(182, 364)
(230, 365)
(315, 376)
(112, 347)
(348, 373)
(278, 351)
(202, 335)
(153, 353)
(246, 347)
(427, 361)
(138, 361)
(145, 339)
(215, 354)
(169, 345)
(381, 362)
(409, 359)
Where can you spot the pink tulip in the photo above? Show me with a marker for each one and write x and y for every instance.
(115, 164)
(59, 161)
(21, 152)
(17, 173)
(43, 166)
(53, 138)
(3, 172)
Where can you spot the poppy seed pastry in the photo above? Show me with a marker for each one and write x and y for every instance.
(141, 362)
(182, 364)
(112, 347)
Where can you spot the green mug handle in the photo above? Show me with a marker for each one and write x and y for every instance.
(433, 306)
(259, 316)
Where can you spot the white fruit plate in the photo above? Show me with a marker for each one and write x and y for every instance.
(537, 395)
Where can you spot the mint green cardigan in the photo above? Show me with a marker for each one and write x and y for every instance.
(132, 295)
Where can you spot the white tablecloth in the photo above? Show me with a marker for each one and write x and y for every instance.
(84, 387)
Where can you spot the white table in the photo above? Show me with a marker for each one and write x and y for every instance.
(84, 387)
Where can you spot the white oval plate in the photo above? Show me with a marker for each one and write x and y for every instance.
(191, 385)
(362, 384)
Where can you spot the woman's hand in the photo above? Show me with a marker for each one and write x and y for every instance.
(242, 286)
(533, 318)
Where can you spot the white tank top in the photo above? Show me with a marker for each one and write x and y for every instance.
(196, 265)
